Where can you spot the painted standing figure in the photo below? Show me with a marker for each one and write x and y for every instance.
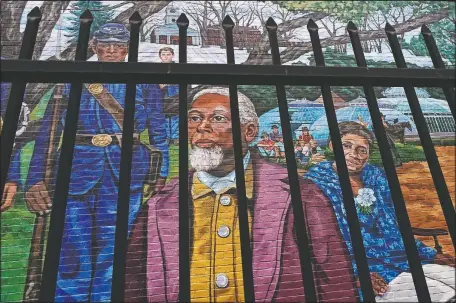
(394, 152)
(86, 260)
(152, 270)
(166, 55)
(13, 179)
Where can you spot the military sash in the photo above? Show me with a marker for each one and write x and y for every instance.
(112, 106)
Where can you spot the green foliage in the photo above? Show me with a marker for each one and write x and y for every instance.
(264, 97)
(443, 33)
(101, 15)
(16, 231)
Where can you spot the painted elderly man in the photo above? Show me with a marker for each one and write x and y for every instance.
(215, 264)
(86, 260)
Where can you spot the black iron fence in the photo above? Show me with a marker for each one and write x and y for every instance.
(23, 71)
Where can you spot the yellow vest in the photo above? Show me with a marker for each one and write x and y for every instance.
(216, 262)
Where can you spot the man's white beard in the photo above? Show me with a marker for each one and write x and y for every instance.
(206, 159)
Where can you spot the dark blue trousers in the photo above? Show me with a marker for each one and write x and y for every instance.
(86, 258)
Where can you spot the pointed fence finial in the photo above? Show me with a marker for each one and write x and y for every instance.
(312, 26)
(389, 29)
(135, 18)
(35, 13)
(351, 27)
(86, 16)
(425, 30)
(271, 24)
(182, 20)
(227, 22)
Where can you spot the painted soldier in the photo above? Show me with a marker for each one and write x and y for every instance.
(13, 179)
(86, 260)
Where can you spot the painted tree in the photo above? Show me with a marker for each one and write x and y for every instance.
(444, 34)
(436, 11)
(201, 14)
(101, 15)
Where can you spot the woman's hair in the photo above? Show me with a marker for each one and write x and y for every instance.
(355, 128)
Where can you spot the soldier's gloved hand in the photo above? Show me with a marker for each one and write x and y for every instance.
(38, 200)
(8, 196)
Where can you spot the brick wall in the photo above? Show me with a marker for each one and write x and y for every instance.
(85, 270)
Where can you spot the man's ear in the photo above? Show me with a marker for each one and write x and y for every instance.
(93, 45)
(250, 131)
(330, 145)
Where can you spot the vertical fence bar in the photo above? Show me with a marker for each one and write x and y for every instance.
(54, 242)
(295, 192)
(438, 63)
(246, 251)
(393, 181)
(347, 193)
(184, 226)
(123, 201)
(13, 108)
(425, 137)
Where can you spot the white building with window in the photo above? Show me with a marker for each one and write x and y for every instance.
(169, 32)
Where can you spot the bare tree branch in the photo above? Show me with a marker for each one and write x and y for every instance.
(293, 53)
(121, 4)
(11, 12)
(260, 52)
(51, 11)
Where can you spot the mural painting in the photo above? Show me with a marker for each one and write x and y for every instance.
(152, 269)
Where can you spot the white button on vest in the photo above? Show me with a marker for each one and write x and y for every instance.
(225, 200)
(221, 280)
(223, 231)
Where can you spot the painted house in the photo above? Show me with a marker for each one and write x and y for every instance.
(243, 36)
(169, 32)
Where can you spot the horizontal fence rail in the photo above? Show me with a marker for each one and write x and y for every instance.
(142, 72)
(25, 70)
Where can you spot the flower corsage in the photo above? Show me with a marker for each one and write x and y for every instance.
(365, 200)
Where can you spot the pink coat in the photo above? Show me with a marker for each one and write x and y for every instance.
(153, 261)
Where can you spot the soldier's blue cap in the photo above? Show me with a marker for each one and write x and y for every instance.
(112, 32)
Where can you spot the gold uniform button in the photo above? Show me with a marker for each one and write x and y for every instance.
(95, 88)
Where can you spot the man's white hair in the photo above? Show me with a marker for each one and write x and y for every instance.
(247, 112)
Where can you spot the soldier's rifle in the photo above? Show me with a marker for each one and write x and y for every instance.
(35, 262)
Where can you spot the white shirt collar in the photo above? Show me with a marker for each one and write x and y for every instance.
(219, 184)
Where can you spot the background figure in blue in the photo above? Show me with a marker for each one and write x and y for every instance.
(166, 55)
(86, 260)
(385, 250)
(13, 180)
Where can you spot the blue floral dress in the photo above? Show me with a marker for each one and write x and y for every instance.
(382, 239)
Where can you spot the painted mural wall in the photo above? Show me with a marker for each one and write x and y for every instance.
(86, 259)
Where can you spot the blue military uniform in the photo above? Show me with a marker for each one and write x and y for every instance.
(14, 169)
(86, 260)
